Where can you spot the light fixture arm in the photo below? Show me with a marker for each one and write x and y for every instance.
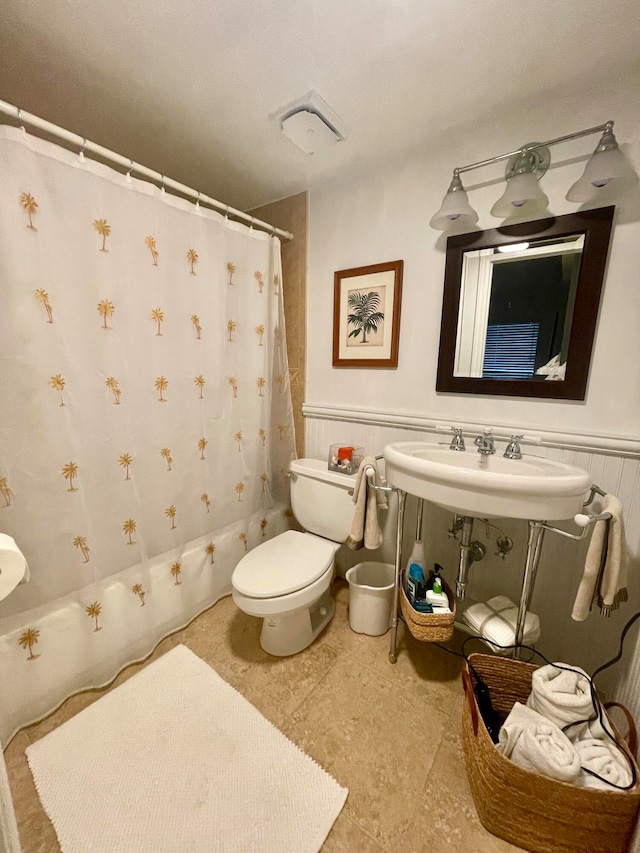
(600, 128)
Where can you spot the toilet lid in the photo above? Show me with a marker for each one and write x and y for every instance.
(284, 564)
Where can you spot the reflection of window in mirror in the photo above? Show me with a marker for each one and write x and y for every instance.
(516, 309)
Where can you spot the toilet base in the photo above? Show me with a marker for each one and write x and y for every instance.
(290, 633)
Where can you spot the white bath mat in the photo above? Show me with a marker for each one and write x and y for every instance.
(176, 761)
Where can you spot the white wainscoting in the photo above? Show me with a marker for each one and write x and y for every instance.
(614, 465)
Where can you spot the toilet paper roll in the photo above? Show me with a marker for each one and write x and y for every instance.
(13, 566)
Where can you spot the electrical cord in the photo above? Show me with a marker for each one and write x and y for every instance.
(488, 715)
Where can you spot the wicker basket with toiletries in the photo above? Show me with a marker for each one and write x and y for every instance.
(429, 627)
(524, 807)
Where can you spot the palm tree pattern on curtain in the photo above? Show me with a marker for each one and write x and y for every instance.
(224, 410)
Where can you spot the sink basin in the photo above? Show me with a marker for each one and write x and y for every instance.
(468, 483)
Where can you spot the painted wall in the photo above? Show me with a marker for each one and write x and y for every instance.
(383, 216)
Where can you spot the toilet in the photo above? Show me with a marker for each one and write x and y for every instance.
(286, 580)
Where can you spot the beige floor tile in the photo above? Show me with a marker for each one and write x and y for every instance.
(360, 729)
(391, 734)
(347, 837)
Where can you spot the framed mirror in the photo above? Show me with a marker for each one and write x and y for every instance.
(520, 307)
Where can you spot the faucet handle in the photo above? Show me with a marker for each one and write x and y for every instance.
(513, 450)
(457, 442)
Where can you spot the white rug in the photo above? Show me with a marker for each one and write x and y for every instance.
(177, 761)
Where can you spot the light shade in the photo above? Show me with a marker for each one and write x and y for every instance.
(455, 209)
(607, 167)
(522, 189)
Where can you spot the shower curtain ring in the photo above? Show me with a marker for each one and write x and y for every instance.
(22, 127)
(198, 202)
(130, 170)
(226, 214)
(162, 185)
(251, 225)
(81, 152)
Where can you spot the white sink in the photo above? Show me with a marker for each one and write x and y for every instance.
(468, 483)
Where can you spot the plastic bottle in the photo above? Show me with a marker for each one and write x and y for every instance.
(414, 580)
(417, 556)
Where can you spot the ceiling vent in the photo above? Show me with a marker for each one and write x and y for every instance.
(311, 124)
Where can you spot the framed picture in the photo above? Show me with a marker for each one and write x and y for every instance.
(366, 315)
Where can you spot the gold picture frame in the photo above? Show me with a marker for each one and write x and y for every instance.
(366, 315)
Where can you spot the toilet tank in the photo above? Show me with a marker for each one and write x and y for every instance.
(320, 498)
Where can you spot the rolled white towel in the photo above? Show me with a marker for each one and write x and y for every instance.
(497, 619)
(601, 756)
(564, 696)
(534, 743)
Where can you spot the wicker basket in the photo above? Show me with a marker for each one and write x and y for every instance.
(429, 627)
(533, 811)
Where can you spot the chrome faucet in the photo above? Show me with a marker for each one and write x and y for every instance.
(484, 442)
(457, 442)
(513, 450)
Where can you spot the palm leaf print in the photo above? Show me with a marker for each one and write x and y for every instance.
(43, 296)
(157, 315)
(234, 385)
(129, 527)
(260, 333)
(238, 437)
(106, 308)
(258, 277)
(81, 543)
(138, 589)
(114, 386)
(94, 610)
(170, 512)
(231, 327)
(176, 571)
(263, 436)
(29, 204)
(366, 316)
(210, 549)
(192, 258)
(57, 383)
(150, 243)
(28, 639)
(280, 380)
(243, 538)
(104, 229)
(200, 382)
(5, 491)
(263, 482)
(166, 454)
(263, 526)
(125, 460)
(70, 472)
(201, 446)
(260, 382)
(161, 385)
(239, 489)
(231, 268)
(196, 322)
(205, 500)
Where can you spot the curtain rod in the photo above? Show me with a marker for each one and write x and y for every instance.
(87, 146)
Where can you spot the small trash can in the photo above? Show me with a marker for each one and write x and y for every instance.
(370, 597)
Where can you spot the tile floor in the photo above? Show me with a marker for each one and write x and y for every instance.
(391, 734)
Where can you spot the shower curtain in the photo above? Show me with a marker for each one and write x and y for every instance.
(145, 425)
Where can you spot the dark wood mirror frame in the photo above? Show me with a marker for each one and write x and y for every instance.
(596, 227)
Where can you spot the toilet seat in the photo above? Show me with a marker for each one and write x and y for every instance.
(283, 565)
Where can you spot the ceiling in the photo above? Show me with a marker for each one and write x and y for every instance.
(187, 87)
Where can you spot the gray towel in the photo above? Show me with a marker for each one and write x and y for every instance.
(365, 530)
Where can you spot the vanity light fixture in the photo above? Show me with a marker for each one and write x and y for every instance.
(607, 167)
